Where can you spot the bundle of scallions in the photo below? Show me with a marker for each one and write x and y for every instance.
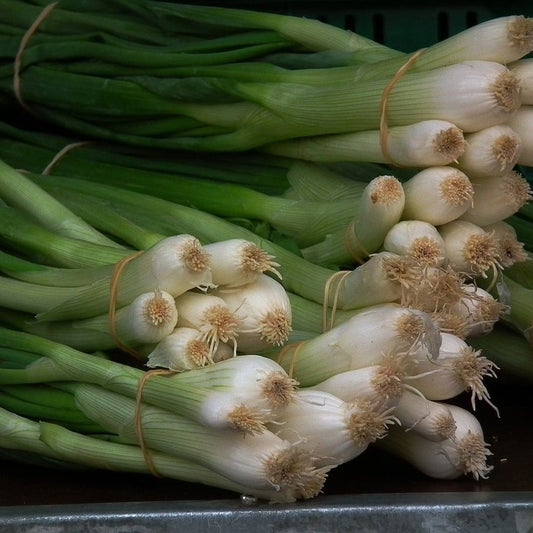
(374, 365)
(334, 282)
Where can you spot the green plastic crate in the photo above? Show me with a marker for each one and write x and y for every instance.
(405, 26)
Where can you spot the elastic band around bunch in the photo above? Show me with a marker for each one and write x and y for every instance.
(283, 353)
(342, 275)
(23, 44)
(383, 127)
(353, 245)
(113, 288)
(62, 153)
(138, 419)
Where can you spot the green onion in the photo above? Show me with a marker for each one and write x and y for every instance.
(520, 122)
(426, 143)
(265, 460)
(382, 204)
(299, 275)
(332, 428)
(101, 454)
(466, 453)
(148, 319)
(174, 265)
(497, 198)
(263, 312)
(458, 368)
(349, 345)
(222, 395)
(523, 69)
(469, 248)
(490, 152)
(437, 195)
(432, 420)
(417, 239)
(40, 274)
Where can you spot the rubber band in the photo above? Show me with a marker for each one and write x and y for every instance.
(325, 305)
(23, 44)
(353, 244)
(284, 351)
(113, 288)
(138, 419)
(62, 153)
(383, 127)
(342, 274)
(293, 359)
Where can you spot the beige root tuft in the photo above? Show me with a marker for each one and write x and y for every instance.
(506, 91)
(295, 471)
(256, 260)
(516, 189)
(194, 256)
(247, 420)
(278, 389)
(437, 288)
(366, 424)
(505, 150)
(410, 328)
(276, 327)
(450, 143)
(219, 324)
(470, 369)
(198, 353)
(452, 323)
(457, 189)
(386, 190)
(472, 453)
(402, 269)
(520, 32)
(445, 425)
(511, 251)
(426, 251)
(482, 253)
(158, 310)
(387, 381)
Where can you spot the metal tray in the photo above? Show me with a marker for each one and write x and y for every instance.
(373, 493)
(438, 512)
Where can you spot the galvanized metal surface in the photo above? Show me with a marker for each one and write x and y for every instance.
(481, 512)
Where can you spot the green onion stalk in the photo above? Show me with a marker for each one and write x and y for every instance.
(522, 272)
(49, 150)
(20, 192)
(509, 350)
(520, 307)
(44, 402)
(95, 453)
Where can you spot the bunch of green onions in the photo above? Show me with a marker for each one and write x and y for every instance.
(318, 299)
(176, 76)
(57, 300)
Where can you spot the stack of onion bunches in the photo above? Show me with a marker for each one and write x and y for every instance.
(333, 281)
